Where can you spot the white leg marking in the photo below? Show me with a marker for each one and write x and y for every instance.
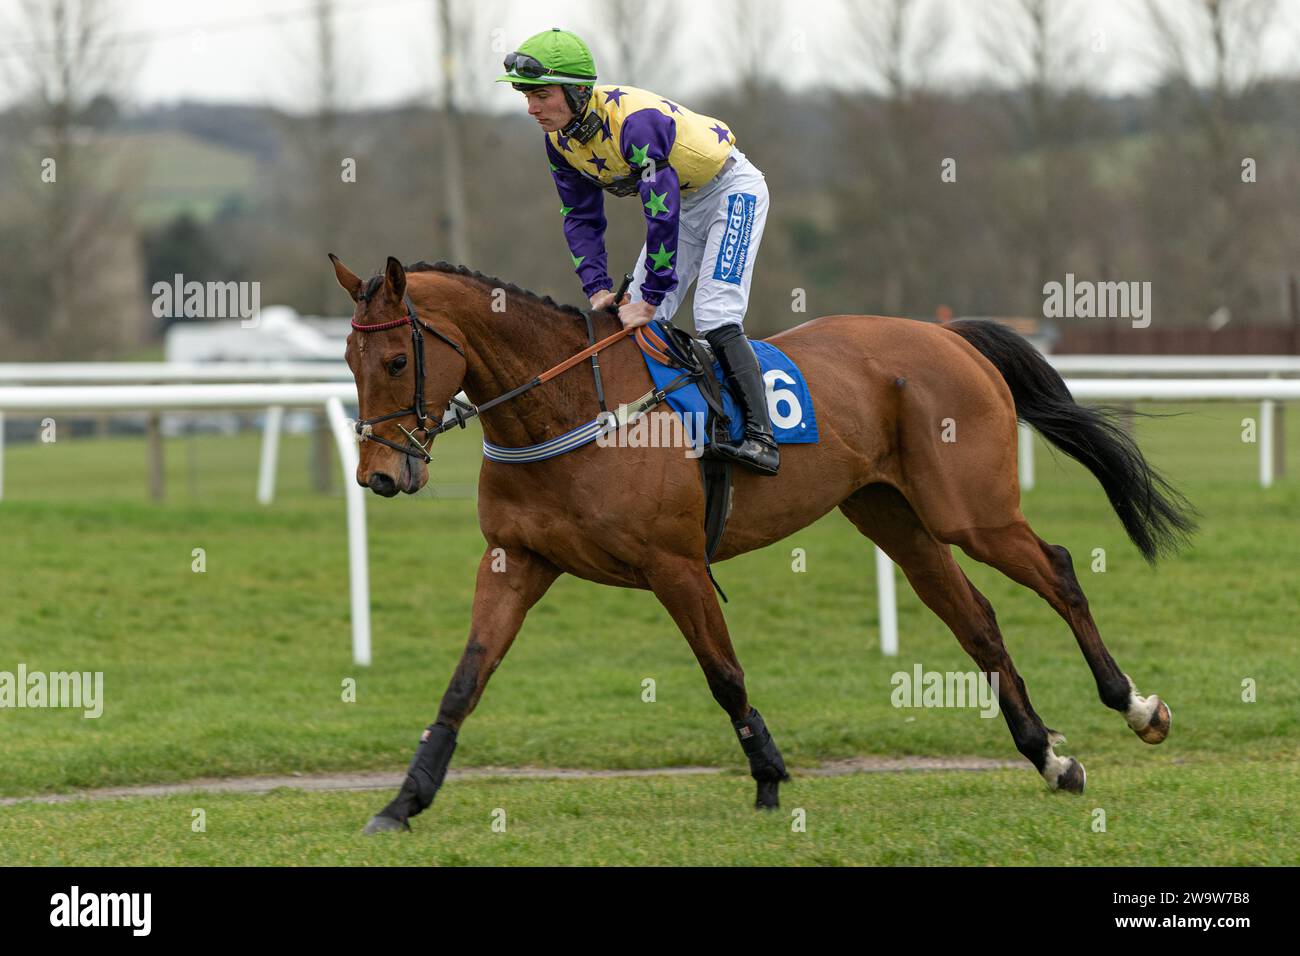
(1054, 767)
(1140, 709)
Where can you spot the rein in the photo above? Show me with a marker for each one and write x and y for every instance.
(464, 411)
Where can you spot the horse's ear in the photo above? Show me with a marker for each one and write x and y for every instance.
(395, 278)
(351, 284)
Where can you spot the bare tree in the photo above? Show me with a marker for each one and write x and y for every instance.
(893, 44)
(639, 35)
(1212, 45)
(1036, 42)
(1038, 45)
(327, 146)
(308, 190)
(754, 38)
(454, 25)
(71, 193)
(899, 40)
(1210, 55)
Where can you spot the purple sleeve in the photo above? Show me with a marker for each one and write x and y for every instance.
(582, 203)
(647, 136)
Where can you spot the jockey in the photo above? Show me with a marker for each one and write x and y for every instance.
(705, 207)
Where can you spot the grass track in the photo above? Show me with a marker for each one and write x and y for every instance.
(238, 670)
(1233, 813)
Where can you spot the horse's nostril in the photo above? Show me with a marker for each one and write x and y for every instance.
(381, 484)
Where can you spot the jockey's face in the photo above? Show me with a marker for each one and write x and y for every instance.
(546, 104)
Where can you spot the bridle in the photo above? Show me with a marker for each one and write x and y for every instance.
(415, 447)
(464, 411)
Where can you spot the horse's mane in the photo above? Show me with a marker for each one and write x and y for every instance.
(452, 269)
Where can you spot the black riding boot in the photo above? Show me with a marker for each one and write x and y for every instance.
(756, 448)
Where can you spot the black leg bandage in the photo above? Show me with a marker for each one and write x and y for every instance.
(426, 773)
(765, 763)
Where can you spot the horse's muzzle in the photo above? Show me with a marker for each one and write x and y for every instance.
(382, 484)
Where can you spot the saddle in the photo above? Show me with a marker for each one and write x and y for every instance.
(695, 359)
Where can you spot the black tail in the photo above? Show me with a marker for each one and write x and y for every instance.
(1157, 517)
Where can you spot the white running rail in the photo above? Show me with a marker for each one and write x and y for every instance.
(331, 396)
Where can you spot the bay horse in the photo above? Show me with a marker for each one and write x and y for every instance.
(885, 391)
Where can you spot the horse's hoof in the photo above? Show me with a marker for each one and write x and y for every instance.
(767, 795)
(382, 824)
(1072, 779)
(1156, 728)
(1148, 717)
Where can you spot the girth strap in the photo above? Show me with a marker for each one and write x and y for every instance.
(585, 433)
(715, 474)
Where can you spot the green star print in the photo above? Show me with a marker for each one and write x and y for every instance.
(656, 203)
(663, 259)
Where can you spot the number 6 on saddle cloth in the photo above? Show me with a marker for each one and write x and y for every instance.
(668, 350)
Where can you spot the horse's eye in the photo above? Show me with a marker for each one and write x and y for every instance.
(396, 366)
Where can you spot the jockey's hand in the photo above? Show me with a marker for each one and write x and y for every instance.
(605, 299)
(632, 314)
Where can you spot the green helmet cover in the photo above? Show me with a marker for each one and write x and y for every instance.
(565, 56)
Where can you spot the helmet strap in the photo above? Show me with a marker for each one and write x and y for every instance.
(577, 97)
(585, 123)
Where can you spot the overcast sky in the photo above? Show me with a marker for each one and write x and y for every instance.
(255, 51)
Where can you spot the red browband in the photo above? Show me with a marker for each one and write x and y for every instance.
(381, 326)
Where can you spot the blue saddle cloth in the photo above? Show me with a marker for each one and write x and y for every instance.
(789, 403)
